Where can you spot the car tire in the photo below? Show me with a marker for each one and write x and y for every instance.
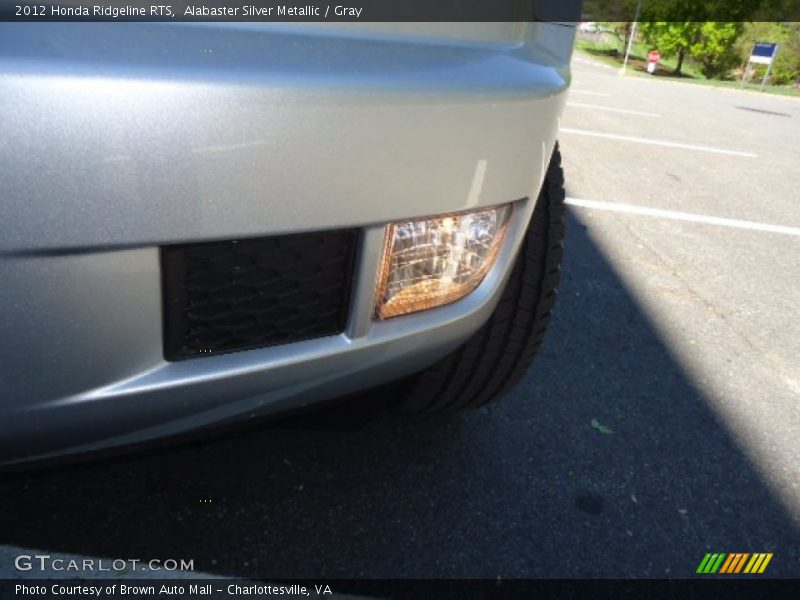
(500, 352)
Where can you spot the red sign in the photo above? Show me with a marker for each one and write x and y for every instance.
(653, 56)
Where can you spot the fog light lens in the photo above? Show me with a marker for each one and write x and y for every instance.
(437, 260)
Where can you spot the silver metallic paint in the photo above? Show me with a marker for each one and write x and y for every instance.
(118, 138)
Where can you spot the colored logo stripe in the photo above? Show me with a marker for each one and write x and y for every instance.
(711, 563)
(758, 563)
(725, 563)
(734, 563)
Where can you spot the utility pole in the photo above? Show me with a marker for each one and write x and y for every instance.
(769, 67)
(630, 39)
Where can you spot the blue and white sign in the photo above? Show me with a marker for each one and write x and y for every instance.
(763, 53)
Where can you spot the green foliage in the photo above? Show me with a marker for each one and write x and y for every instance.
(712, 45)
(700, 11)
(599, 10)
(691, 29)
(786, 68)
(672, 38)
(683, 11)
(620, 29)
(714, 48)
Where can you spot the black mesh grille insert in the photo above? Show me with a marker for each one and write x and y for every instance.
(226, 296)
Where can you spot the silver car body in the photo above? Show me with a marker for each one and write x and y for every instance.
(119, 138)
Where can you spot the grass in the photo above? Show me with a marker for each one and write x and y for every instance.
(612, 53)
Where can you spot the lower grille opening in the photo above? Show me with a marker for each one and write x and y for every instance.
(251, 293)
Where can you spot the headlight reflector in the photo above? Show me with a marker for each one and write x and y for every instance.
(433, 261)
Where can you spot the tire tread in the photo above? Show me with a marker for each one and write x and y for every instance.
(500, 352)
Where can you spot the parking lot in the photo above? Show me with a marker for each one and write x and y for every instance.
(660, 422)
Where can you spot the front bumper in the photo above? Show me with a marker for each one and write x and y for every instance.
(122, 138)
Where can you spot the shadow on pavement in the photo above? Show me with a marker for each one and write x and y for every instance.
(528, 488)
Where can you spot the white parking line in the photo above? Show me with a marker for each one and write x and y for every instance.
(626, 111)
(683, 216)
(639, 140)
(589, 93)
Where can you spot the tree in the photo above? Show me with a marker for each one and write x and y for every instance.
(714, 48)
(711, 44)
(786, 68)
(672, 39)
(689, 27)
(619, 29)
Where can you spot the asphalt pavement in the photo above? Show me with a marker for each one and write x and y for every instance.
(661, 420)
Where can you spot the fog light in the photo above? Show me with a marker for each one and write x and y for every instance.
(437, 260)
